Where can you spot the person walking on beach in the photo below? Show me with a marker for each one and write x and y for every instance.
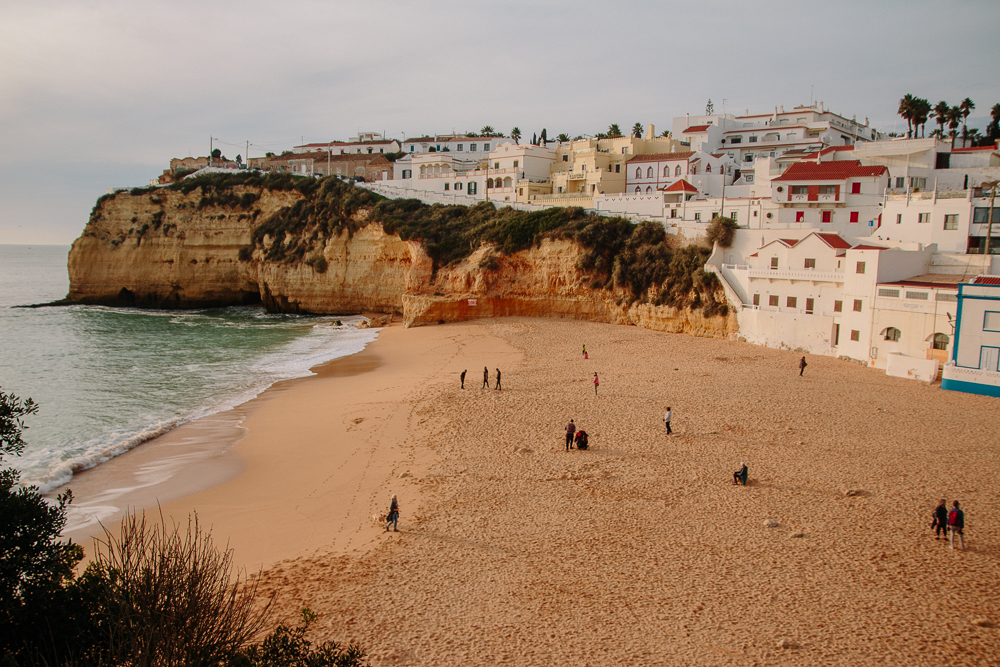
(940, 522)
(596, 383)
(463, 377)
(498, 387)
(486, 377)
(802, 366)
(666, 419)
(392, 519)
(570, 432)
(956, 524)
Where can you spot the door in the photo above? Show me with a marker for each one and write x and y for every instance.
(809, 306)
(836, 335)
(988, 358)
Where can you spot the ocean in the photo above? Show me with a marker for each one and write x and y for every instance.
(109, 379)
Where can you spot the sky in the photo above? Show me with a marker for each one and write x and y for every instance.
(101, 94)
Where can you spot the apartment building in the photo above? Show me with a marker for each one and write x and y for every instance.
(647, 174)
(368, 143)
(975, 359)
(477, 148)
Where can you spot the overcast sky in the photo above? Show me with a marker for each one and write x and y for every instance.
(100, 94)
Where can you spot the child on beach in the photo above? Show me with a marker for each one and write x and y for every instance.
(596, 382)
(392, 519)
(582, 439)
(585, 352)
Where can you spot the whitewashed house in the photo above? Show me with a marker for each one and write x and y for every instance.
(975, 360)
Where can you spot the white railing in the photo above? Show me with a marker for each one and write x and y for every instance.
(804, 274)
(975, 375)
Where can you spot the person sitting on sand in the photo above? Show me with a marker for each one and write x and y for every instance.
(392, 519)
(581, 439)
(740, 476)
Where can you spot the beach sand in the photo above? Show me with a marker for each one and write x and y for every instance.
(640, 550)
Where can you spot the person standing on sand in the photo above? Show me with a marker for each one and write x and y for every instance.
(802, 366)
(486, 377)
(392, 519)
(940, 522)
(498, 387)
(956, 524)
(570, 432)
(585, 351)
(463, 377)
(596, 383)
(666, 419)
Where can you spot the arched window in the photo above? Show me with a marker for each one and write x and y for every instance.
(677, 170)
(649, 172)
(666, 170)
(892, 333)
(940, 341)
(638, 189)
(489, 182)
(507, 182)
(708, 169)
(694, 170)
(638, 172)
(649, 189)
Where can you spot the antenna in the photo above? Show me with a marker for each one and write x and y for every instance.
(811, 86)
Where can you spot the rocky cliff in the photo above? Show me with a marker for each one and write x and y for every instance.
(171, 249)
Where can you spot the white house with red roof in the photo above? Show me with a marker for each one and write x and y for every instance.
(371, 143)
(841, 196)
(648, 174)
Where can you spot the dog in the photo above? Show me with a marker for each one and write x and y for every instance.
(380, 519)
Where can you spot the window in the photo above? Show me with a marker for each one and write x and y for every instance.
(991, 321)
(918, 183)
(774, 262)
(460, 146)
(892, 333)
(923, 217)
(919, 296)
(982, 215)
(486, 148)
(472, 188)
(520, 191)
(407, 173)
(624, 150)
(809, 305)
(472, 148)
(673, 213)
(458, 186)
(855, 335)
(411, 148)
(666, 171)
(756, 299)
(827, 216)
(736, 140)
(899, 218)
(565, 158)
(638, 189)
(753, 139)
(950, 298)
(649, 189)
(854, 216)
(447, 186)
(649, 172)
(855, 188)
(618, 168)
(951, 221)
(860, 268)
(940, 341)
(900, 182)
(677, 170)
(828, 190)
(857, 305)
(708, 169)
(772, 300)
(838, 306)
(800, 216)
(810, 263)
(515, 164)
(697, 217)
(791, 302)
(891, 293)
(800, 189)
(638, 172)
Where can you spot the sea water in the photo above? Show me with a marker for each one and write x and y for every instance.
(108, 379)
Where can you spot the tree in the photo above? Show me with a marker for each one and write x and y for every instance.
(921, 111)
(721, 230)
(940, 114)
(614, 132)
(543, 137)
(966, 108)
(906, 110)
(954, 118)
(637, 130)
(216, 153)
(534, 139)
(993, 129)
(709, 108)
(487, 131)
(515, 134)
(565, 137)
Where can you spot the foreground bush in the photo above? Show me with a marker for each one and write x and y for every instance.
(289, 646)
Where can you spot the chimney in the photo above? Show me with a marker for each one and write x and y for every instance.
(782, 108)
(650, 131)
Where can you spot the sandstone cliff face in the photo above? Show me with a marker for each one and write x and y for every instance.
(170, 250)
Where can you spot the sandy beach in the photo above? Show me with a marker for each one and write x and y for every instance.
(640, 550)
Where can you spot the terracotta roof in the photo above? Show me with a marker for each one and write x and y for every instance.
(938, 280)
(834, 240)
(973, 148)
(829, 171)
(864, 246)
(661, 157)
(680, 186)
(986, 280)
(696, 128)
(789, 242)
(753, 255)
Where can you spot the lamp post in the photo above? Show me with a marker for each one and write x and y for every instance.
(989, 227)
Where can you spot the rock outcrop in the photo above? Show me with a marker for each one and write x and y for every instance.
(168, 249)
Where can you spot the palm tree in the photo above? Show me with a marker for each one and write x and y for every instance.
(966, 107)
(973, 136)
(921, 112)
(515, 134)
(614, 132)
(565, 137)
(993, 129)
(954, 120)
(906, 109)
(637, 130)
(487, 131)
(940, 113)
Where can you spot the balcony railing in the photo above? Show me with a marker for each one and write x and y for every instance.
(799, 274)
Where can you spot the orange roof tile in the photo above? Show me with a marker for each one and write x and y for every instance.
(829, 171)
(661, 157)
(696, 128)
(834, 240)
(680, 186)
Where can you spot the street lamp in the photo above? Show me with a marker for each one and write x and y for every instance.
(992, 185)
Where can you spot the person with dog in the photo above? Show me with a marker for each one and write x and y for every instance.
(392, 518)
(940, 522)
(956, 524)
(570, 432)
(740, 476)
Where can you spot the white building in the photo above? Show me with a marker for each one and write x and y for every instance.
(957, 221)
(369, 142)
(974, 361)
(647, 174)
(477, 148)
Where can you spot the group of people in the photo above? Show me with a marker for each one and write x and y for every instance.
(949, 523)
(576, 436)
(486, 379)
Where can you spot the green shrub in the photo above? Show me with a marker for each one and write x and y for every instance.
(722, 231)
(289, 646)
(318, 263)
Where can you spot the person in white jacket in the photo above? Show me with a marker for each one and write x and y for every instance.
(666, 419)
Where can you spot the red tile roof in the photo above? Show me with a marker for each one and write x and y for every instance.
(829, 171)
(696, 128)
(680, 186)
(661, 157)
(834, 240)
(789, 242)
(863, 246)
(986, 280)
(973, 148)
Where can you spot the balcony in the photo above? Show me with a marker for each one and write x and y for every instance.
(816, 199)
(797, 274)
